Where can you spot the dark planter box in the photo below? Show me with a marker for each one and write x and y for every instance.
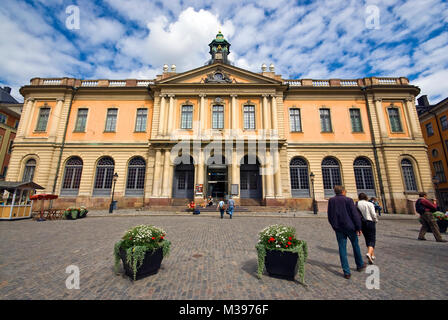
(150, 265)
(443, 224)
(281, 263)
(69, 216)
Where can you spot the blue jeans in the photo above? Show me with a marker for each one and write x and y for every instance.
(341, 236)
(230, 210)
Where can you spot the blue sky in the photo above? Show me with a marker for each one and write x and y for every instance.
(119, 39)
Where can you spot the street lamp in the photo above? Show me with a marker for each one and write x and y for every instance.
(111, 206)
(314, 197)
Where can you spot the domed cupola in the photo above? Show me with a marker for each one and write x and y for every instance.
(219, 49)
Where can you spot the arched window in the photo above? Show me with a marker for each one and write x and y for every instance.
(28, 173)
(136, 176)
(364, 176)
(72, 177)
(408, 175)
(104, 177)
(298, 169)
(331, 174)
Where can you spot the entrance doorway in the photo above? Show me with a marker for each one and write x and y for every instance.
(217, 178)
(183, 180)
(250, 178)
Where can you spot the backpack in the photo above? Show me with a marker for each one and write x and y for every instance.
(221, 204)
(419, 207)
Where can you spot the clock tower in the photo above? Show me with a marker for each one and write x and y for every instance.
(219, 49)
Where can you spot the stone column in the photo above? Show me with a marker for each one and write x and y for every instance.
(274, 112)
(413, 118)
(171, 116)
(380, 117)
(265, 112)
(56, 119)
(201, 167)
(166, 174)
(162, 115)
(26, 115)
(277, 176)
(157, 171)
(269, 175)
(202, 119)
(235, 170)
(235, 113)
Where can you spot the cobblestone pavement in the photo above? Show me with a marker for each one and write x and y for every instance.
(211, 259)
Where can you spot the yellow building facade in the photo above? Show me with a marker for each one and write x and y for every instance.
(220, 130)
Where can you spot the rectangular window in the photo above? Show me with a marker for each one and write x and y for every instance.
(325, 120)
(429, 129)
(218, 117)
(140, 122)
(81, 120)
(394, 119)
(10, 146)
(3, 118)
(111, 120)
(42, 120)
(438, 169)
(249, 117)
(187, 117)
(444, 123)
(16, 124)
(294, 120)
(355, 117)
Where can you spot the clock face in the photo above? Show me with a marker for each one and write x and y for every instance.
(218, 76)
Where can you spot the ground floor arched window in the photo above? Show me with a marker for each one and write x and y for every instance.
(407, 169)
(28, 172)
(364, 176)
(72, 177)
(331, 174)
(104, 177)
(298, 171)
(135, 183)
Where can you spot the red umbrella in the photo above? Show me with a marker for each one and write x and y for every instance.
(43, 197)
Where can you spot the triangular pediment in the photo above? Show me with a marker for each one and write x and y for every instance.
(219, 73)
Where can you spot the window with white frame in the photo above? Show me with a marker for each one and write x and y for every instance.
(295, 120)
(249, 117)
(187, 117)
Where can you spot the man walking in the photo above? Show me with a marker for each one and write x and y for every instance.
(425, 208)
(231, 206)
(346, 222)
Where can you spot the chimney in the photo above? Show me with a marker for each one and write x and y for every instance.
(7, 89)
(423, 101)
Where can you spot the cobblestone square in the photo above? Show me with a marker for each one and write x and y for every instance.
(212, 259)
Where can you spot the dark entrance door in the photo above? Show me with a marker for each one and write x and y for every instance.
(183, 182)
(217, 181)
(250, 180)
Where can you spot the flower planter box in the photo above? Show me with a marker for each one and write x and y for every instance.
(443, 224)
(281, 263)
(150, 265)
(73, 215)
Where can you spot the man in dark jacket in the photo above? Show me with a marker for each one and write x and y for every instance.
(425, 208)
(346, 222)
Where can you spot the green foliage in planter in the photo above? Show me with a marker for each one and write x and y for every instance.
(73, 212)
(440, 215)
(281, 238)
(137, 241)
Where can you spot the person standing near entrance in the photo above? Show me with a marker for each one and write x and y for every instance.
(425, 208)
(346, 222)
(231, 206)
(222, 207)
(368, 223)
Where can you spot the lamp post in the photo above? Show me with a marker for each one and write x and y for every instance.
(435, 180)
(111, 206)
(314, 197)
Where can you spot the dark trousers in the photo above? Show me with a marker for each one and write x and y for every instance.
(222, 213)
(369, 232)
(429, 223)
(342, 236)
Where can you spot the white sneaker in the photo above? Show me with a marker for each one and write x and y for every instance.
(369, 258)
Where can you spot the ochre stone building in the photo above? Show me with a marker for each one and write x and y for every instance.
(219, 130)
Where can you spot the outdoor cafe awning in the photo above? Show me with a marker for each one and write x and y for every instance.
(19, 185)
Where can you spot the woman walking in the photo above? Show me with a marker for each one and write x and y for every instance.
(369, 220)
